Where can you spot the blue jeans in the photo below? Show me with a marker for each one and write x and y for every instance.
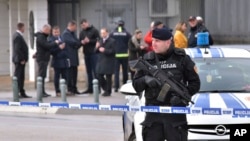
(90, 62)
(124, 63)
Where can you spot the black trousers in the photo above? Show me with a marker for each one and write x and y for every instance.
(159, 131)
(59, 73)
(90, 62)
(72, 79)
(42, 71)
(20, 74)
(124, 63)
(105, 82)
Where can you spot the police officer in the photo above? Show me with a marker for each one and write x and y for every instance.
(121, 36)
(161, 126)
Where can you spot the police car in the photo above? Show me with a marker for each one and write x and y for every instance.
(223, 99)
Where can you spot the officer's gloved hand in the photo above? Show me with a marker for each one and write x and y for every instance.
(175, 100)
(152, 82)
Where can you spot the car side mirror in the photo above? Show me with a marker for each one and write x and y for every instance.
(128, 89)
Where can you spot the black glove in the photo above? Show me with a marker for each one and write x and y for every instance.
(151, 81)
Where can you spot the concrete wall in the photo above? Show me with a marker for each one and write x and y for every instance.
(4, 38)
(40, 10)
(228, 20)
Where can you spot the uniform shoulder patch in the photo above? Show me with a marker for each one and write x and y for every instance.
(179, 51)
(149, 56)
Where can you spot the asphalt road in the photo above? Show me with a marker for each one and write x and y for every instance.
(53, 127)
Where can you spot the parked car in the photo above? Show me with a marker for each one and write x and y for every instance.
(225, 83)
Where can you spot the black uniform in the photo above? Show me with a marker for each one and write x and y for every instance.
(121, 36)
(161, 126)
(20, 53)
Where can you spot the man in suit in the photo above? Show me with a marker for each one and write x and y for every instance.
(60, 61)
(106, 61)
(43, 52)
(20, 58)
(72, 44)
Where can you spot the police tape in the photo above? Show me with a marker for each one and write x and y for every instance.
(126, 108)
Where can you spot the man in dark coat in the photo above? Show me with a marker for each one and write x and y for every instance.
(20, 58)
(60, 61)
(43, 53)
(72, 44)
(106, 61)
(196, 27)
(89, 35)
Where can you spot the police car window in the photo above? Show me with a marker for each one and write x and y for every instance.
(224, 74)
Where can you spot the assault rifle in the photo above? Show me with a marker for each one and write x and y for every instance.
(166, 79)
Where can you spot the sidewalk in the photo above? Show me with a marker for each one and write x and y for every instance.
(6, 94)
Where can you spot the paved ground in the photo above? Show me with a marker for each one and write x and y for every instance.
(7, 94)
(36, 123)
(50, 127)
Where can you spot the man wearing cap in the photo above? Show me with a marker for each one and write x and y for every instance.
(165, 126)
(195, 27)
(121, 36)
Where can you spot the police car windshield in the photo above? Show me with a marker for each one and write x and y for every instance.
(224, 74)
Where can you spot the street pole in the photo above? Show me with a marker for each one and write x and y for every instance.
(63, 90)
(96, 91)
(15, 89)
(39, 89)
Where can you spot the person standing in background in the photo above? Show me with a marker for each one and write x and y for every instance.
(180, 39)
(136, 48)
(148, 37)
(196, 27)
(105, 49)
(72, 44)
(121, 36)
(20, 58)
(43, 53)
(60, 61)
(89, 35)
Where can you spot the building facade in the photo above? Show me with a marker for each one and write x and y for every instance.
(227, 20)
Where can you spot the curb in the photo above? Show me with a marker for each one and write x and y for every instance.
(61, 111)
(64, 111)
(39, 110)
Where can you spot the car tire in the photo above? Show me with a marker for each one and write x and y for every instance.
(132, 137)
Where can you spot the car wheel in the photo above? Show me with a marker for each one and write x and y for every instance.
(132, 137)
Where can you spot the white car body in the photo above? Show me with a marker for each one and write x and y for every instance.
(196, 122)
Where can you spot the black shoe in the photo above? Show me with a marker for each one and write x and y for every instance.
(77, 92)
(24, 96)
(105, 94)
(116, 90)
(70, 94)
(87, 92)
(46, 95)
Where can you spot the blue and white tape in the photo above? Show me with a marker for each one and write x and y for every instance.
(239, 112)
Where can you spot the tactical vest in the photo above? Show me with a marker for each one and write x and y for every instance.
(173, 63)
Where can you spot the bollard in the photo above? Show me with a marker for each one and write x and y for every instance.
(96, 91)
(15, 89)
(63, 90)
(39, 89)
